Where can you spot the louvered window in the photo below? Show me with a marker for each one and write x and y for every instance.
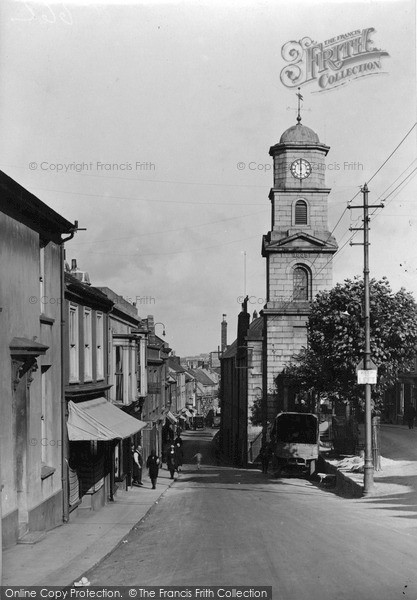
(301, 212)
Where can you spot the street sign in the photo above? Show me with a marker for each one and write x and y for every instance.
(361, 366)
(368, 376)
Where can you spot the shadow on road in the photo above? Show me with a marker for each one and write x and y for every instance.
(400, 502)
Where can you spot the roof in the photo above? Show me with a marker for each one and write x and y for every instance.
(256, 328)
(21, 205)
(299, 134)
(254, 333)
(231, 351)
(174, 365)
(202, 377)
(83, 290)
(120, 303)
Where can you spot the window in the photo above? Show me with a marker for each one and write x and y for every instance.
(74, 348)
(88, 350)
(99, 346)
(118, 373)
(300, 212)
(300, 281)
(133, 372)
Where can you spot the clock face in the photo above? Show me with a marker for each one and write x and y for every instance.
(300, 168)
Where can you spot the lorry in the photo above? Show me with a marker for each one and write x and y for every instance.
(198, 422)
(295, 441)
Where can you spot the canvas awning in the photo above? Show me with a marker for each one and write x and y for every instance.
(171, 417)
(100, 420)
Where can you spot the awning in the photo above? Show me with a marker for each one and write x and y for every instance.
(100, 420)
(171, 417)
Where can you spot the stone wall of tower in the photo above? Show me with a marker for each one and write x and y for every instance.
(282, 173)
(286, 335)
(280, 288)
(283, 211)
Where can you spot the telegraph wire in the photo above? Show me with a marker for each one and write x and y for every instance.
(163, 231)
(351, 200)
(140, 255)
(152, 200)
(393, 152)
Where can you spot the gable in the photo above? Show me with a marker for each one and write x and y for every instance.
(301, 241)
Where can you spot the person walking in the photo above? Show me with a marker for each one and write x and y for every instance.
(178, 440)
(265, 455)
(179, 455)
(152, 464)
(198, 457)
(172, 461)
(137, 465)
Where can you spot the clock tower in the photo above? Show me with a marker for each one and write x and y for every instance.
(298, 251)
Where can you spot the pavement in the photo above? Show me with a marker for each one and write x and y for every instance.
(398, 474)
(70, 550)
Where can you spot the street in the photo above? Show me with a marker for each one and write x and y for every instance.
(225, 526)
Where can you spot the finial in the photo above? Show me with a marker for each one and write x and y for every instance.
(299, 96)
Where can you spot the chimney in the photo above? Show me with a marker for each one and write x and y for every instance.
(243, 321)
(151, 328)
(82, 276)
(224, 334)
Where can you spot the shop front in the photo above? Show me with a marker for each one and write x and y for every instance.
(97, 430)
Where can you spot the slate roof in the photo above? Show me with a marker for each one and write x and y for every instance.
(255, 333)
(202, 377)
(256, 329)
(175, 366)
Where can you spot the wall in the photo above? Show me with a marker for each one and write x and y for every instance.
(25, 492)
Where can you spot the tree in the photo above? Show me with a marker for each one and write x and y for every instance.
(336, 343)
(256, 411)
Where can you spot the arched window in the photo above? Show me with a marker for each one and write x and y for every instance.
(301, 284)
(300, 212)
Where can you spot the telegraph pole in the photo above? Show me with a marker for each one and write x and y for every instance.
(368, 378)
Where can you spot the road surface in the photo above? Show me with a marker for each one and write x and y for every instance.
(224, 526)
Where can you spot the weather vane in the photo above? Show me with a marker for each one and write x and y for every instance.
(299, 96)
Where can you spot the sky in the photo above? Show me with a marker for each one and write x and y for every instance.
(150, 123)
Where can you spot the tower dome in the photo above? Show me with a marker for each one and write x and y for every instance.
(299, 134)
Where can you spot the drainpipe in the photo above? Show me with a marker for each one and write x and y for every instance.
(64, 434)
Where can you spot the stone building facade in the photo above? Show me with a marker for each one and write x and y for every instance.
(298, 251)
